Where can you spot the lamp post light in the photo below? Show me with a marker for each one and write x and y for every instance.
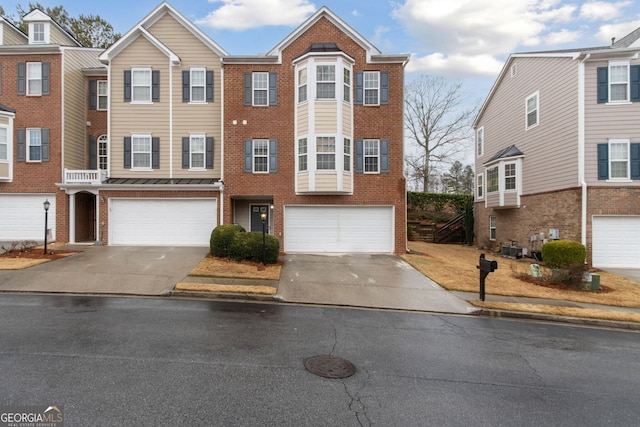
(46, 205)
(263, 217)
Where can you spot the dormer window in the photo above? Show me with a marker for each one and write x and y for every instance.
(38, 32)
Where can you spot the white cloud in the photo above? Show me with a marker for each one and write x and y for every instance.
(244, 14)
(561, 37)
(355, 12)
(457, 65)
(602, 10)
(606, 32)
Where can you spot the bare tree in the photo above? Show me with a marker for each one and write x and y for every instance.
(438, 123)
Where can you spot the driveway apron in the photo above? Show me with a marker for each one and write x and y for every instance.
(136, 270)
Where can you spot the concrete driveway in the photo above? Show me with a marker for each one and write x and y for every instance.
(361, 280)
(629, 273)
(136, 270)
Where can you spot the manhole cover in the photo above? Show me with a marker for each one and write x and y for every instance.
(329, 366)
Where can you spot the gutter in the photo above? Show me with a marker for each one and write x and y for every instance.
(581, 148)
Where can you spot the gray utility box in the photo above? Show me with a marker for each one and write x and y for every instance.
(509, 251)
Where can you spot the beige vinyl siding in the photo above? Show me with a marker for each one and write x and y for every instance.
(326, 113)
(57, 36)
(10, 37)
(191, 118)
(303, 119)
(605, 122)
(326, 182)
(76, 154)
(347, 128)
(4, 120)
(128, 118)
(346, 182)
(551, 148)
(303, 183)
(493, 200)
(4, 170)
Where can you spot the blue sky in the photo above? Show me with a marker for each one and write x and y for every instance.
(467, 40)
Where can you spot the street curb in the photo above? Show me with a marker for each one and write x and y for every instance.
(560, 319)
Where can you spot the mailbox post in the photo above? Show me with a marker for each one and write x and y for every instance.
(485, 266)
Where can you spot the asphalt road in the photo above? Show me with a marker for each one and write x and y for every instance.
(161, 362)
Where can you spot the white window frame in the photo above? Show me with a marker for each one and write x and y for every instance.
(346, 84)
(510, 176)
(626, 82)
(323, 144)
(371, 86)
(514, 70)
(29, 143)
(625, 144)
(134, 98)
(256, 145)
(194, 150)
(480, 186)
(46, 33)
(493, 227)
(4, 143)
(103, 152)
(103, 94)
(323, 79)
(302, 85)
(491, 188)
(197, 71)
(535, 110)
(480, 141)
(258, 80)
(369, 144)
(346, 153)
(303, 154)
(35, 76)
(143, 137)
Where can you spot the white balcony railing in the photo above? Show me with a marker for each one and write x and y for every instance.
(93, 177)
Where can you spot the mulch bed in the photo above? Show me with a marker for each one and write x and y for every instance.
(38, 253)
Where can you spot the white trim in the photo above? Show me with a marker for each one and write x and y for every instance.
(628, 160)
(618, 63)
(254, 89)
(364, 156)
(536, 94)
(253, 155)
(204, 151)
(204, 85)
(480, 184)
(494, 227)
(98, 84)
(364, 88)
(146, 136)
(133, 98)
(27, 145)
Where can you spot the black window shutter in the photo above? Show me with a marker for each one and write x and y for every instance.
(635, 83)
(186, 86)
(635, 160)
(93, 153)
(186, 152)
(273, 155)
(46, 80)
(127, 86)
(384, 87)
(359, 87)
(22, 78)
(21, 137)
(384, 155)
(93, 94)
(248, 155)
(603, 83)
(155, 153)
(209, 87)
(247, 89)
(359, 156)
(603, 161)
(209, 153)
(155, 85)
(127, 152)
(44, 135)
(273, 88)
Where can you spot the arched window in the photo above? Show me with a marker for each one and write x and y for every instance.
(103, 152)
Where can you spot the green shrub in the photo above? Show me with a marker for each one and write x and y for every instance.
(222, 237)
(248, 246)
(563, 253)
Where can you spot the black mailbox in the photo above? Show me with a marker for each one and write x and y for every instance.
(485, 266)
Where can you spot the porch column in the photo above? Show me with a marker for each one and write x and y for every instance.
(72, 218)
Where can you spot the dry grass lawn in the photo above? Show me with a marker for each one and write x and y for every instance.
(454, 268)
(589, 313)
(19, 263)
(219, 267)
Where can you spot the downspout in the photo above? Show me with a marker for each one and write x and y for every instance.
(581, 148)
(170, 119)
(221, 219)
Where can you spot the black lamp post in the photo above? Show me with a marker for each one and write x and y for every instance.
(263, 217)
(46, 217)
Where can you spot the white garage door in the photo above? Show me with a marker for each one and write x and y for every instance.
(159, 222)
(616, 241)
(22, 217)
(317, 229)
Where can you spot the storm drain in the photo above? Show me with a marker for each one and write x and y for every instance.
(329, 366)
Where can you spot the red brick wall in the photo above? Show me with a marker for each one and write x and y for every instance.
(384, 122)
(37, 112)
(97, 118)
